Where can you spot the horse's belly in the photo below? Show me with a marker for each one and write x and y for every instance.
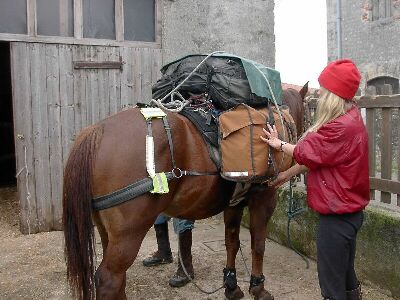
(200, 197)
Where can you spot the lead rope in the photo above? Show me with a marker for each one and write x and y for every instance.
(199, 287)
(190, 278)
(244, 262)
(293, 211)
(28, 193)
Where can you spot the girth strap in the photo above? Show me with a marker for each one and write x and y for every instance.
(137, 189)
(125, 194)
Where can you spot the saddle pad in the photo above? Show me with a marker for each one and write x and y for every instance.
(204, 122)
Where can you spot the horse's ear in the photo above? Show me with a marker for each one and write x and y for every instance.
(304, 90)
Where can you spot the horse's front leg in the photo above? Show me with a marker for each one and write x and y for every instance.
(232, 219)
(261, 206)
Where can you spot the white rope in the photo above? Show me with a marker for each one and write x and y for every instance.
(279, 113)
(274, 100)
(28, 194)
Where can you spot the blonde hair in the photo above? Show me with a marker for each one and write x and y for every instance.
(329, 107)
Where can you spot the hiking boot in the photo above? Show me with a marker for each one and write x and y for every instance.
(163, 255)
(185, 243)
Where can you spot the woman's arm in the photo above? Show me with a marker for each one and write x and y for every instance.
(286, 175)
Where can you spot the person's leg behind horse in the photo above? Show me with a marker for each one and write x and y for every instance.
(335, 254)
(232, 219)
(262, 202)
(184, 229)
(163, 255)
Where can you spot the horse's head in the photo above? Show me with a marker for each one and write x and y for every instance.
(294, 100)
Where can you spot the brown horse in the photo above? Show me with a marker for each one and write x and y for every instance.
(111, 155)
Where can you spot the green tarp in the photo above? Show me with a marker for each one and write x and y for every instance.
(254, 71)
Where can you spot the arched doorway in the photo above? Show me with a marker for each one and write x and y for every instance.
(383, 85)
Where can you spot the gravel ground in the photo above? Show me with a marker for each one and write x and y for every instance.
(32, 267)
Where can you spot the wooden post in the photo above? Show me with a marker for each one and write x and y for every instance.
(370, 124)
(386, 146)
(397, 124)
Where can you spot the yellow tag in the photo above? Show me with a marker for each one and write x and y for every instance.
(160, 184)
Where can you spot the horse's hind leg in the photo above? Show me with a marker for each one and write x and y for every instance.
(261, 206)
(120, 253)
(232, 218)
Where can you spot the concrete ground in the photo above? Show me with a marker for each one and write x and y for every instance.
(32, 267)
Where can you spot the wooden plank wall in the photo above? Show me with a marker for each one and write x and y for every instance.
(53, 101)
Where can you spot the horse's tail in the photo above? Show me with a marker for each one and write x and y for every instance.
(77, 220)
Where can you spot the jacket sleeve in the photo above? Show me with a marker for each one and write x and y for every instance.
(327, 147)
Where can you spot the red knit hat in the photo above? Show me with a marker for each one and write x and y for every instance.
(341, 77)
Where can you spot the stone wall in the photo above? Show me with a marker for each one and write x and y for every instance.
(368, 37)
(241, 27)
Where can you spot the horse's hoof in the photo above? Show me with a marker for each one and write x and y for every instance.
(260, 293)
(234, 294)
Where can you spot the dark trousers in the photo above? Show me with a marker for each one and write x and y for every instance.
(336, 249)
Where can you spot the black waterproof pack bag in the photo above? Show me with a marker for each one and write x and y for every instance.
(223, 79)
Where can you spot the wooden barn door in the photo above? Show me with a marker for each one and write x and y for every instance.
(53, 99)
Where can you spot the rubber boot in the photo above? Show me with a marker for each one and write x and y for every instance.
(163, 255)
(354, 294)
(185, 242)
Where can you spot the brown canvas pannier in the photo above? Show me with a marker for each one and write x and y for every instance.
(244, 156)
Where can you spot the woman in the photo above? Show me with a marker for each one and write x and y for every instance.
(334, 151)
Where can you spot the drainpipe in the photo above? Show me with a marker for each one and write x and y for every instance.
(339, 28)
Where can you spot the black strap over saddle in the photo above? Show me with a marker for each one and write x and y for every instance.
(203, 119)
(204, 122)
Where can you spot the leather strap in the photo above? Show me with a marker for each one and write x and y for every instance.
(170, 142)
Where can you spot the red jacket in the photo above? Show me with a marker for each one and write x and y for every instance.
(337, 157)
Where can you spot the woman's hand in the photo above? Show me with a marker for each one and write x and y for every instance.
(272, 137)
